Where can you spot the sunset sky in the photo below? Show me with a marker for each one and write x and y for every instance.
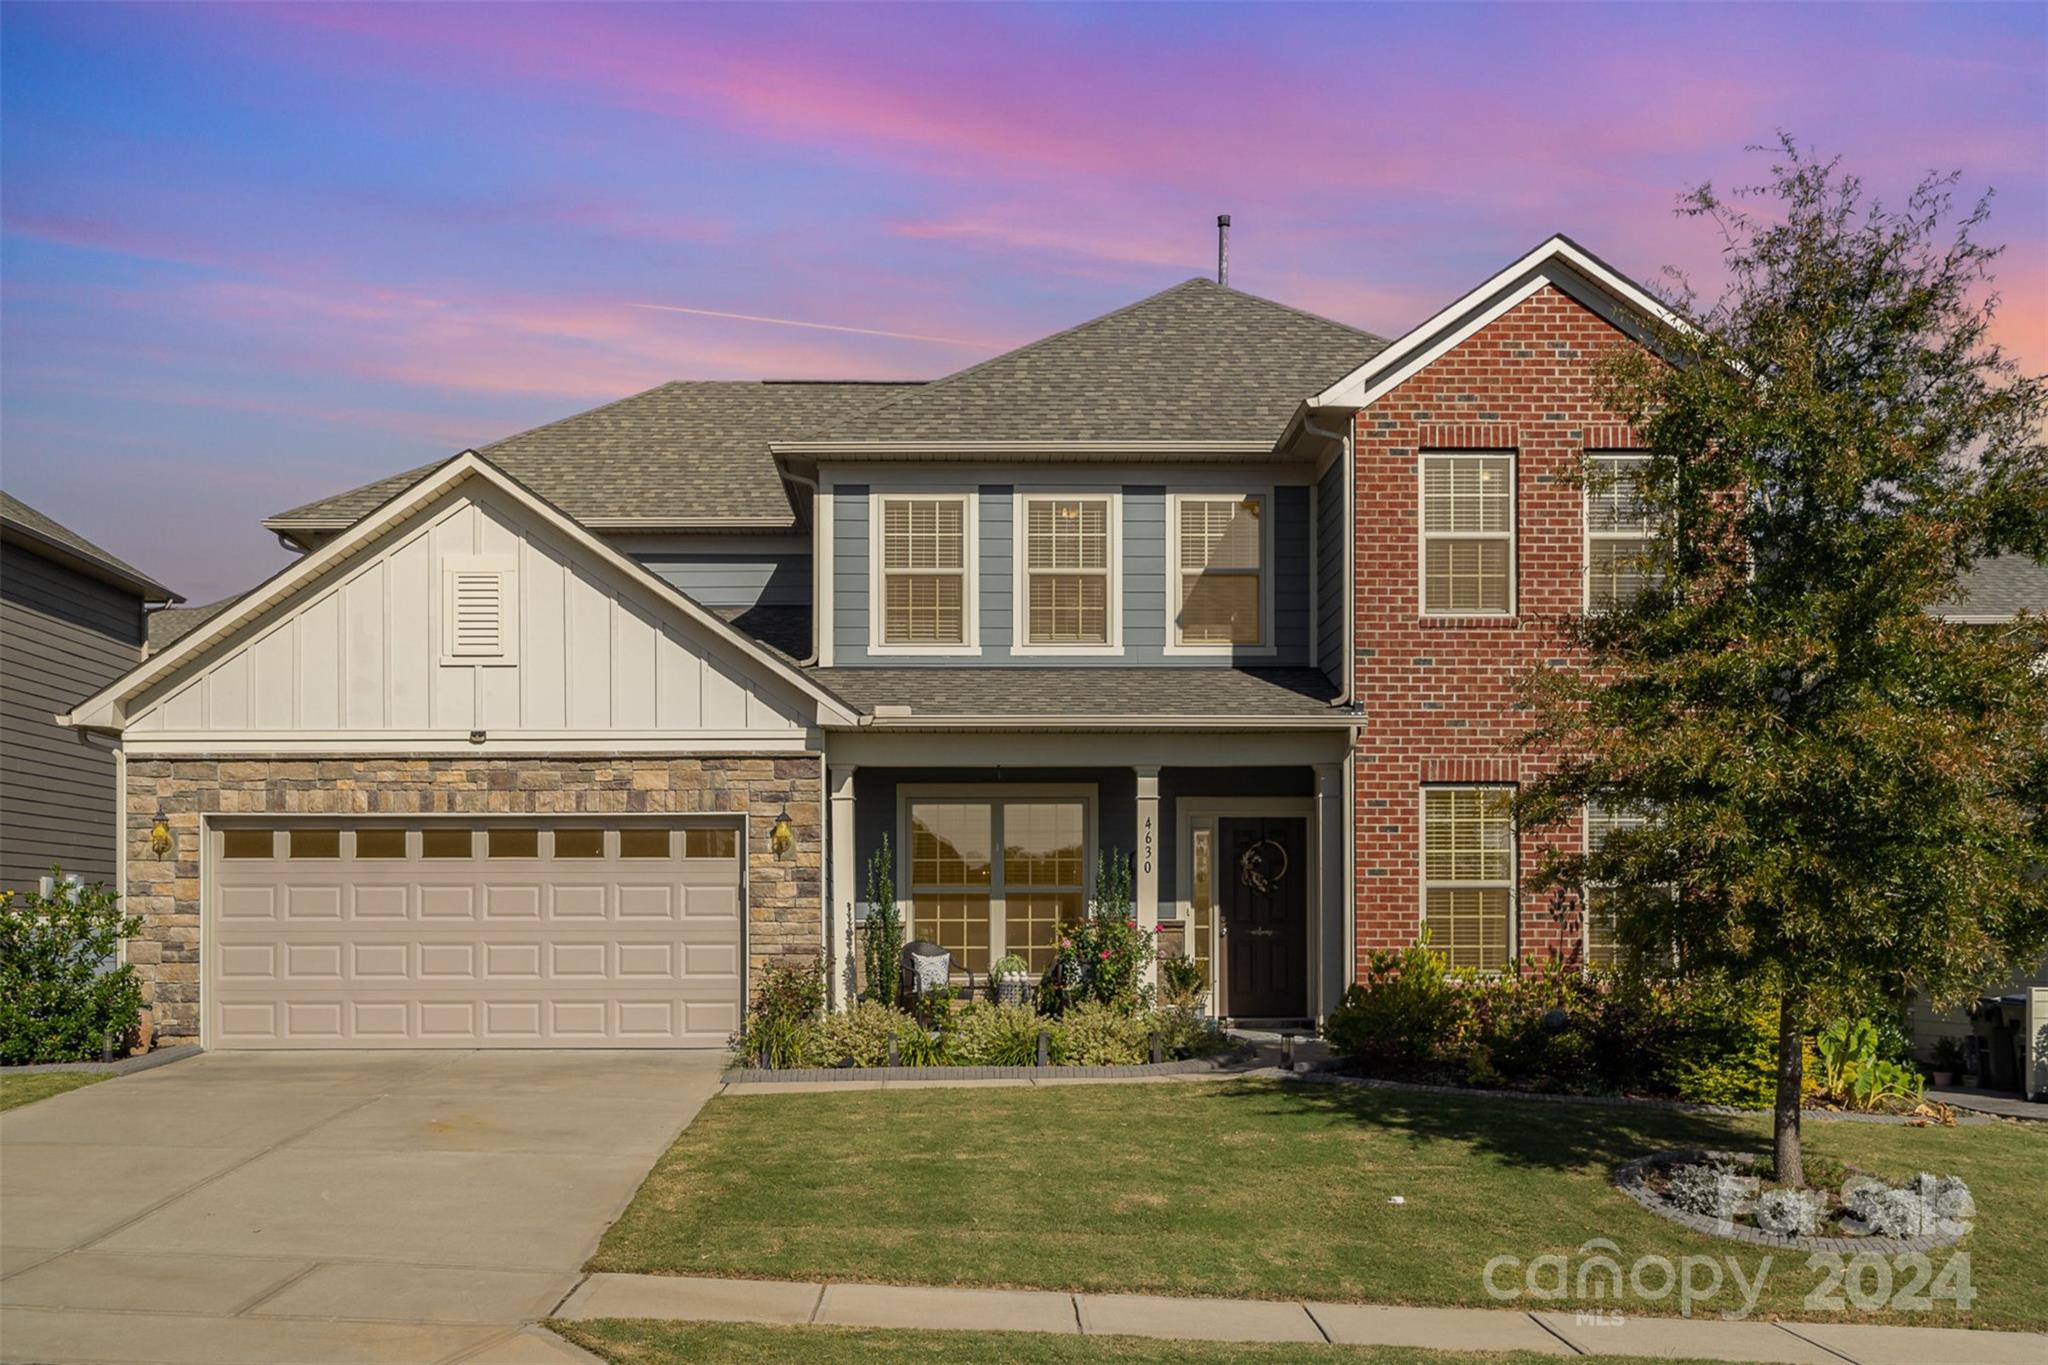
(254, 255)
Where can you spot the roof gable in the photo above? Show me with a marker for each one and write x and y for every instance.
(1559, 262)
(1197, 362)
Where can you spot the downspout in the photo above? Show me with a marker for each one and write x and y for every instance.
(810, 660)
(1348, 687)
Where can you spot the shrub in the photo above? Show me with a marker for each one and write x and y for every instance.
(1727, 1055)
(1406, 1015)
(786, 1023)
(1180, 981)
(999, 1035)
(57, 1001)
(882, 943)
(1922, 1206)
(1185, 1032)
(1855, 1070)
(1095, 1034)
(863, 1032)
(1103, 958)
(1789, 1213)
(1709, 1189)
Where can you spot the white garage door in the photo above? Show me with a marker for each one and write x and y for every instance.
(473, 934)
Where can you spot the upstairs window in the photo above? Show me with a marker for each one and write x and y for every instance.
(1220, 572)
(1069, 596)
(1618, 531)
(1468, 874)
(924, 571)
(1468, 535)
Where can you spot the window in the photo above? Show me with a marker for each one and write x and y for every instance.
(1618, 531)
(380, 843)
(447, 843)
(1068, 582)
(925, 595)
(711, 842)
(1468, 874)
(1603, 820)
(579, 842)
(1468, 535)
(1219, 572)
(513, 843)
(991, 877)
(643, 843)
(1203, 899)
(247, 843)
(315, 843)
(479, 622)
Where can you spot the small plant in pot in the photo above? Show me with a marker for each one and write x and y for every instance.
(1006, 980)
(1946, 1061)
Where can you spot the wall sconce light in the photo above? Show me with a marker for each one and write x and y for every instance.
(782, 838)
(160, 837)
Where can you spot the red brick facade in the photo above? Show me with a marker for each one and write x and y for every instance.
(1438, 692)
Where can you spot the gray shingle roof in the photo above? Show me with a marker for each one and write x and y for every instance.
(1999, 588)
(46, 535)
(681, 452)
(1194, 362)
(1236, 693)
(172, 624)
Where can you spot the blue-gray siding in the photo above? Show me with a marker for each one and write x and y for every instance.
(738, 580)
(1330, 594)
(1145, 584)
(63, 637)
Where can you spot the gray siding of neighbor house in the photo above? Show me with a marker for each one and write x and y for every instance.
(1145, 585)
(1330, 594)
(63, 637)
(726, 581)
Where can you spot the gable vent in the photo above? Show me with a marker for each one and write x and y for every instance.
(478, 612)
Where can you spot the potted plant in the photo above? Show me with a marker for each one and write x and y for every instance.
(1946, 1061)
(1006, 980)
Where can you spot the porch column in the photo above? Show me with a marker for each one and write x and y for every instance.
(1146, 891)
(1330, 843)
(839, 898)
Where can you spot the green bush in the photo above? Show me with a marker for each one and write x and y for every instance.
(1728, 1054)
(1180, 981)
(56, 1004)
(784, 1028)
(882, 935)
(999, 1035)
(862, 1034)
(1103, 958)
(1408, 1015)
(1185, 1032)
(1095, 1034)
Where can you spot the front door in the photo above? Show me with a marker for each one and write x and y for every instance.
(1264, 884)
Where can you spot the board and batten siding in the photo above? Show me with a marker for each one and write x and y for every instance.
(1146, 582)
(1330, 586)
(359, 653)
(63, 637)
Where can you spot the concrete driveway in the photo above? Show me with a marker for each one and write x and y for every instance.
(270, 1207)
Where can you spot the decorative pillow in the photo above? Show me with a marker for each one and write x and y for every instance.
(930, 973)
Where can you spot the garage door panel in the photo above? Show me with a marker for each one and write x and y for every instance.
(477, 952)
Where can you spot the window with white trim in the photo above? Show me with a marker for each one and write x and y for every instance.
(1220, 571)
(1619, 533)
(924, 570)
(1468, 874)
(1068, 590)
(1468, 534)
(996, 876)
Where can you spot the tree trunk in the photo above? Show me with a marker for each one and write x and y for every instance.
(1791, 1076)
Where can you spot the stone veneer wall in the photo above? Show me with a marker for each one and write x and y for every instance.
(785, 904)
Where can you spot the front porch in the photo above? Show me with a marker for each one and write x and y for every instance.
(1234, 842)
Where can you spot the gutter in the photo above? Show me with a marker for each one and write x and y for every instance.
(1104, 722)
(1046, 450)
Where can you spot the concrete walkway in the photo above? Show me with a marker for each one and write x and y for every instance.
(262, 1207)
(680, 1298)
(2005, 1103)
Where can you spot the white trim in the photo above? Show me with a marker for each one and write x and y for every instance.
(970, 572)
(1410, 352)
(1266, 645)
(105, 709)
(1020, 576)
(1211, 811)
(440, 743)
(996, 795)
(1334, 721)
(763, 525)
(955, 450)
(1514, 936)
(1423, 534)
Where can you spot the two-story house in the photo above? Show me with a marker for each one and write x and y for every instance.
(560, 741)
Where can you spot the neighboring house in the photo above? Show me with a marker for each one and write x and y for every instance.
(72, 620)
(563, 741)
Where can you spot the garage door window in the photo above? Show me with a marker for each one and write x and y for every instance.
(515, 843)
(247, 843)
(380, 843)
(316, 843)
(711, 843)
(447, 843)
(579, 843)
(643, 843)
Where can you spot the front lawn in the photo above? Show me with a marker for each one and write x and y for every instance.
(635, 1341)
(16, 1091)
(1261, 1190)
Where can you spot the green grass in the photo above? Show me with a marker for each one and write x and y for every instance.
(636, 1341)
(1256, 1190)
(16, 1091)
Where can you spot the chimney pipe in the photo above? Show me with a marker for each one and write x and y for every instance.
(1223, 249)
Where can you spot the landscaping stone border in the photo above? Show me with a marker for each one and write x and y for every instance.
(749, 1075)
(1632, 1102)
(141, 1061)
(1628, 1178)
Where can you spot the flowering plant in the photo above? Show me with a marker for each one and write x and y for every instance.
(1104, 957)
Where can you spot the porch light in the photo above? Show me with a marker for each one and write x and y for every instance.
(782, 838)
(160, 837)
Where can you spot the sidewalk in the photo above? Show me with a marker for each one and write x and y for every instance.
(1447, 1329)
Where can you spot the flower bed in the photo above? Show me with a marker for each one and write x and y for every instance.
(1727, 1194)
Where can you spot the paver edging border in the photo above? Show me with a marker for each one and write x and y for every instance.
(1628, 1178)
(141, 1061)
(1631, 1102)
(749, 1075)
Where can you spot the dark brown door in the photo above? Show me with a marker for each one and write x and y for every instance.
(1264, 881)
